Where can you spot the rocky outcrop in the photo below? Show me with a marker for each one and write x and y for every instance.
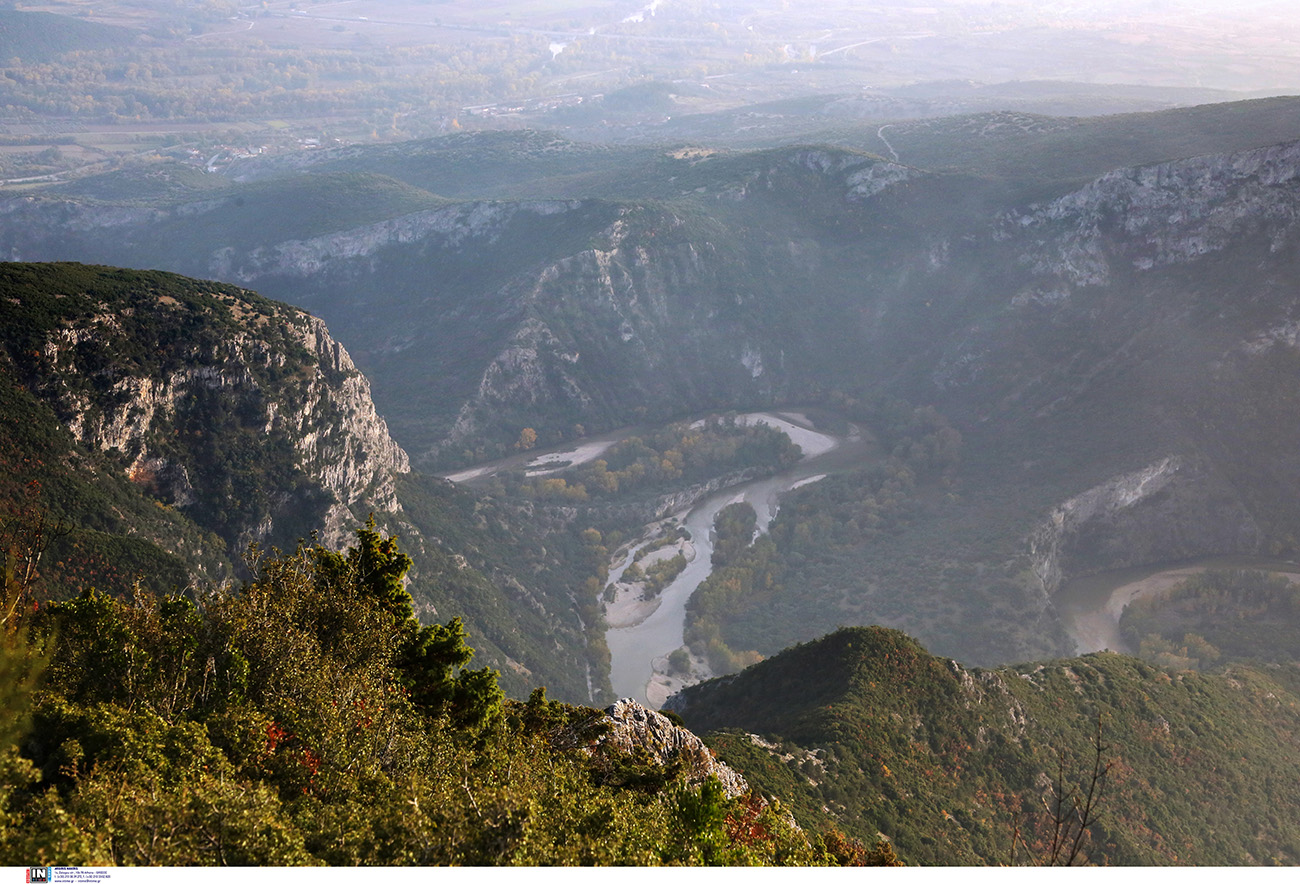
(630, 729)
(341, 440)
(1172, 509)
(1165, 214)
(451, 228)
(280, 376)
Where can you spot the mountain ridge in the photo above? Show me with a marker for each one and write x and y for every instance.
(1027, 324)
(950, 762)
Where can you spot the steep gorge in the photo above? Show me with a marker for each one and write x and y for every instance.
(1145, 321)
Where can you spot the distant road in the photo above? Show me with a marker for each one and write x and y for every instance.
(496, 31)
(595, 33)
(880, 133)
(223, 33)
(876, 40)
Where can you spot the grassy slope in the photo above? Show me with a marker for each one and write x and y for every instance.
(1039, 155)
(1034, 153)
(40, 36)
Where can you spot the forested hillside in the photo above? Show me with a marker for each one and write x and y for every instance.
(866, 729)
(1112, 342)
(156, 426)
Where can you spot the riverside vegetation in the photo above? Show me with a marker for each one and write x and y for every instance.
(663, 460)
(762, 595)
(1218, 617)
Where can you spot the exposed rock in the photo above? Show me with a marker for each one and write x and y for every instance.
(878, 177)
(1167, 213)
(352, 455)
(1172, 509)
(451, 227)
(322, 409)
(630, 728)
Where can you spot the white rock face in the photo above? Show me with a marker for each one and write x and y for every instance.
(454, 226)
(352, 456)
(877, 178)
(635, 728)
(342, 444)
(1170, 509)
(1103, 501)
(1166, 214)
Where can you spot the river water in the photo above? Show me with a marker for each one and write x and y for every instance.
(634, 649)
(1090, 607)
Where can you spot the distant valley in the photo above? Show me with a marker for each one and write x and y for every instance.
(648, 352)
(1118, 379)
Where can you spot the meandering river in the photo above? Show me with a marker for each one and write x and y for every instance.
(634, 649)
(1090, 607)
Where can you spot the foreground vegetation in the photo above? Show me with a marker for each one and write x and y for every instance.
(309, 718)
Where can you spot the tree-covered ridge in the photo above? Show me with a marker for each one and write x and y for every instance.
(155, 320)
(308, 719)
(516, 580)
(953, 765)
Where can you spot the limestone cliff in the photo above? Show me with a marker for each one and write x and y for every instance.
(341, 440)
(455, 227)
(1172, 509)
(1165, 214)
(239, 411)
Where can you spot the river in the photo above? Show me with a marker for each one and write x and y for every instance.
(1090, 607)
(635, 649)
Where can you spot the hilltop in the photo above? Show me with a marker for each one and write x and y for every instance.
(865, 729)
